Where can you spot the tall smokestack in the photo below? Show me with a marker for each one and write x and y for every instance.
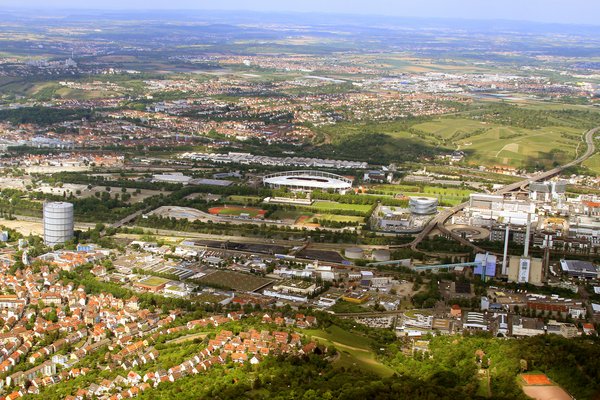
(505, 258)
(527, 234)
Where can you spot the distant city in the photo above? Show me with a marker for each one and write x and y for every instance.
(240, 205)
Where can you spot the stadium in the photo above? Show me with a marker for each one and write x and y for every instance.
(308, 181)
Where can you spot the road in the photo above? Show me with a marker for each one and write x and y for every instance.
(439, 220)
(129, 218)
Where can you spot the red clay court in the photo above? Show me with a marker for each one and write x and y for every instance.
(536, 379)
(237, 211)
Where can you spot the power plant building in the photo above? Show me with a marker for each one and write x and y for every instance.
(525, 270)
(58, 223)
(484, 209)
(547, 191)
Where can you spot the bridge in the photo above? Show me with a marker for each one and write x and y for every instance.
(420, 268)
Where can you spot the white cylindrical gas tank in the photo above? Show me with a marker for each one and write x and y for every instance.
(58, 223)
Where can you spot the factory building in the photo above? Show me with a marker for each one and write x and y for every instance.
(525, 270)
(485, 209)
(585, 227)
(579, 269)
(547, 191)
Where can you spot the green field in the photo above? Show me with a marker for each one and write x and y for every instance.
(244, 199)
(337, 218)
(449, 128)
(155, 281)
(507, 136)
(353, 349)
(290, 214)
(501, 146)
(331, 205)
(593, 163)
(497, 145)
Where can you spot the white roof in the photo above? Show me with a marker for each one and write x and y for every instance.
(308, 181)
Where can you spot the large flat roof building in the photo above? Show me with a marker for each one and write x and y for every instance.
(579, 269)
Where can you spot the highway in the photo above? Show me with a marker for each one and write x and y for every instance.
(439, 220)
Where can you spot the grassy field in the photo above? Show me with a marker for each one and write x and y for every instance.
(290, 214)
(491, 144)
(517, 147)
(451, 128)
(331, 205)
(593, 163)
(336, 218)
(554, 140)
(354, 349)
(155, 281)
(244, 199)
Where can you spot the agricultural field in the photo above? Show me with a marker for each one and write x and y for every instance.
(235, 281)
(354, 349)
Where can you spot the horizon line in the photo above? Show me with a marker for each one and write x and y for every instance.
(294, 12)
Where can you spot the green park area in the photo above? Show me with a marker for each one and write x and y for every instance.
(490, 133)
(500, 145)
(337, 218)
(354, 350)
(325, 206)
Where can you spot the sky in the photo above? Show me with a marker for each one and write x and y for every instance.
(552, 11)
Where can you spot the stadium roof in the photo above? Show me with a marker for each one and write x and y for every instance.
(308, 180)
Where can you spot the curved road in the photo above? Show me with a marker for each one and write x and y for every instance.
(439, 220)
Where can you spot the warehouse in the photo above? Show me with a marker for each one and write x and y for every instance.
(579, 269)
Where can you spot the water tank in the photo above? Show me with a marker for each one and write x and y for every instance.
(354, 253)
(58, 223)
(381, 255)
(423, 205)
